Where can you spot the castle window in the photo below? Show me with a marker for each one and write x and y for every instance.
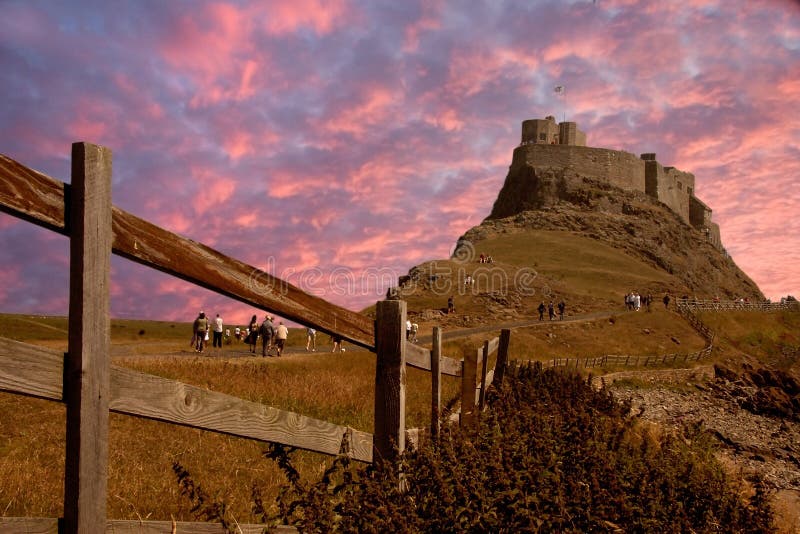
(689, 190)
(542, 136)
(680, 186)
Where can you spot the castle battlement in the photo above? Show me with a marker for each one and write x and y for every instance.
(545, 144)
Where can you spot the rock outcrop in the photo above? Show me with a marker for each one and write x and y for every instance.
(634, 222)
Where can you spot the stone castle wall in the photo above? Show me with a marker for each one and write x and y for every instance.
(621, 169)
(547, 145)
(669, 185)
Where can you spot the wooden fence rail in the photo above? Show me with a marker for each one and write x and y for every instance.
(85, 381)
(736, 305)
(35, 197)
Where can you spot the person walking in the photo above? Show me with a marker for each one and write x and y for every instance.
(281, 334)
(541, 311)
(218, 329)
(561, 306)
(337, 343)
(252, 334)
(665, 300)
(311, 339)
(200, 328)
(267, 331)
(551, 310)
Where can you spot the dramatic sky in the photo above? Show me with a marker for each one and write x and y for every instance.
(337, 143)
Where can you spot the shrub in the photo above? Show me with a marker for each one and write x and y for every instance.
(550, 455)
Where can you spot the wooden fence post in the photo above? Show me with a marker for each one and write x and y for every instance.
(469, 376)
(484, 365)
(502, 356)
(436, 383)
(87, 366)
(390, 379)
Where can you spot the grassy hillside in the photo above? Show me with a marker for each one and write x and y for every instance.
(529, 267)
(771, 338)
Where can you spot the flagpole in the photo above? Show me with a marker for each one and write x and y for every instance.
(562, 91)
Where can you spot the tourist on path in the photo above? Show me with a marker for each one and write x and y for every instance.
(281, 333)
(311, 339)
(541, 311)
(561, 306)
(551, 310)
(252, 334)
(337, 343)
(200, 327)
(217, 332)
(267, 331)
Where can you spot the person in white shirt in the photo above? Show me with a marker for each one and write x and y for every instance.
(218, 332)
(281, 334)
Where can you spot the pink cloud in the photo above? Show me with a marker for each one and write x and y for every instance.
(430, 21)
(323, 16)
(374, 105)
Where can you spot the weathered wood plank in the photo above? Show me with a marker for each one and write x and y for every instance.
(468, 384)
(31, 370)
(48, 525)
(493, 344)
(450, 366)
(484, 365)
(87, 364)
(418, 356)
(37, 198)
(436, 382)
(390, 379)
(144, 395)
(502, 355)
(38, 371)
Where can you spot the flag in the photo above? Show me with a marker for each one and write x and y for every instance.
(558, 88)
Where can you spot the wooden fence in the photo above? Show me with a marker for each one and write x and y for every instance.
(736, 305)
(84, 379)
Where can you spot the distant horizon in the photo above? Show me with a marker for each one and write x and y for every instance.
(335, 139)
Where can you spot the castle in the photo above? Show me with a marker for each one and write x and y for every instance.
(546, 144)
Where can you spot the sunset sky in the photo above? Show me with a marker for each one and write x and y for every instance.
(333, 142)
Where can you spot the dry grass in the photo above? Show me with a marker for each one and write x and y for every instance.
(773, 338)
(334, 387)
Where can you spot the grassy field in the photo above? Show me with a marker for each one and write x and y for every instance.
(335, 387)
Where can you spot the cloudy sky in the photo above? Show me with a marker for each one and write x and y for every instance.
(335, 142)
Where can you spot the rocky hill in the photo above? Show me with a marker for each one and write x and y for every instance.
(633, 222)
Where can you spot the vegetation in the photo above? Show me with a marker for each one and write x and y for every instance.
(773, 338)
(550, 455)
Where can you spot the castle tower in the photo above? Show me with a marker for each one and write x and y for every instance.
(540, 131)
(569, 134)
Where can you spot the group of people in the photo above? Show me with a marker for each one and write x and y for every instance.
(273, 338)
(201, 328)
(551, 310)
(634, 301)
(485, 258)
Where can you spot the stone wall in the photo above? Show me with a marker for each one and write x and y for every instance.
(700, 218)
(621, 169)
(669, 185)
